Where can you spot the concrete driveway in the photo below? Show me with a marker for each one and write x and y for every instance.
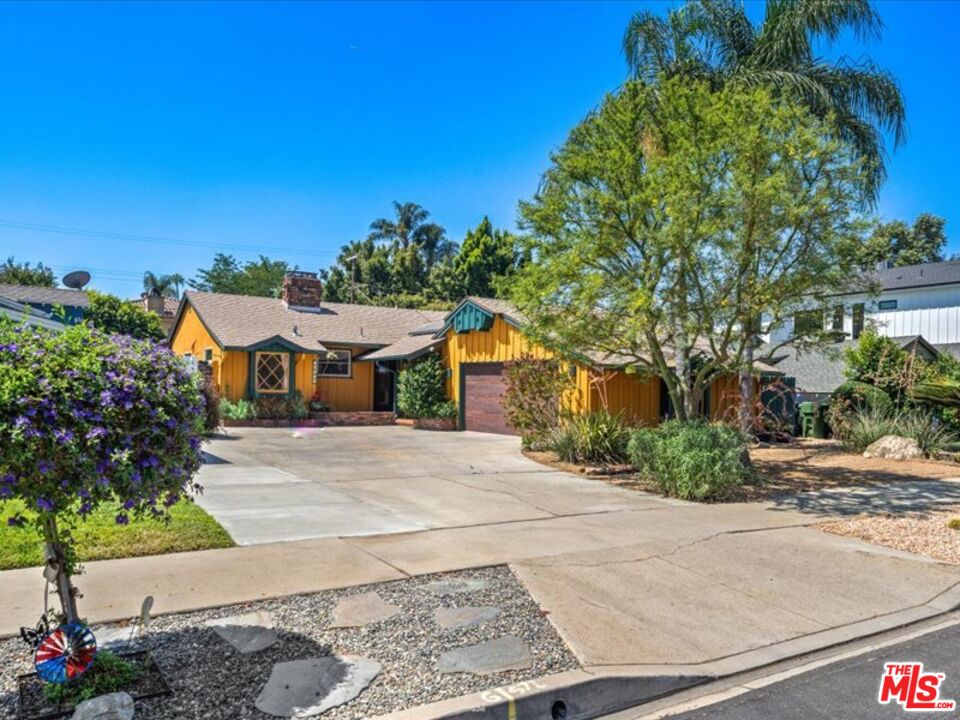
(635, 584)
(271, 485)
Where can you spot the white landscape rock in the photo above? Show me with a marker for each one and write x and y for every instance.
(247, 633)
(363, 609)
(115, 706)
(457, 586)
(307, 688)
(894, 447)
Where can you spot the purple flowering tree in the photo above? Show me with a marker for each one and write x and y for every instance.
(89, 419)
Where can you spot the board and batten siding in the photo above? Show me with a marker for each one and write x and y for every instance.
(636, 396)
(191, 337)
(351, 394)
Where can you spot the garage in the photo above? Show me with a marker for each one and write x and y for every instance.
(482, 392)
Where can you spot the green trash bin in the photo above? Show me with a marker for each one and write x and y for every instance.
(808, 415)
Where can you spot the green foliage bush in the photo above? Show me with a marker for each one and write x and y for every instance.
(533, 398)
(691, 460)
(211, 401)
(281, 407)
(851, 399)
(881, 362)
(108, 674)
(868, 426)
(422, 389)
(113, 315)
(598, 437)
(239, 410)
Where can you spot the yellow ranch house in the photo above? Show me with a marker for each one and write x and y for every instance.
(348, 355)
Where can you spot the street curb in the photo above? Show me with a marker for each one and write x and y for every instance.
(572, 695)
(600, 691)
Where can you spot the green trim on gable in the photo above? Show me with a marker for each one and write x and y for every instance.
(471, 317)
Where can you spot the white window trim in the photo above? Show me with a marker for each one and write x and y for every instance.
(339, 352)
(285, 360)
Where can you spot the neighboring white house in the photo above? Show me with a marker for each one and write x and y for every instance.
(913, 300)
(917, 305)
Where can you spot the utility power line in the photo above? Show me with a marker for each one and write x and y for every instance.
(130, 237)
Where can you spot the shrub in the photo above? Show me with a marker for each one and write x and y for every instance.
(868, 426)
(317, 403)
(109, 673)
(239, 410)
(851, 399)
(954, 523)
(89, 419)
(533, 397)
(113, 315)
(595, 437)
(421, 389)
(881, 362)
(211, 405)
(280, 407)
(691, 460)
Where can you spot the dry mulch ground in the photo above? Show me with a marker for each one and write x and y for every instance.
(924, 533)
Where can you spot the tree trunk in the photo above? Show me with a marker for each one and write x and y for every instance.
(746, 390)
(56, 570)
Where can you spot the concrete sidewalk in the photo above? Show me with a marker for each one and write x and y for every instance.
(674, 588)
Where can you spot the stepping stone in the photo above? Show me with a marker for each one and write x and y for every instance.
(506, 653)
(306, 688)
(115, 706)
(455, 587)
(360, 610)
(116, 638)
(246, 633)
(461, 617)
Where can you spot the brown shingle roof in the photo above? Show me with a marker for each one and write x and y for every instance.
(406, 348)
(38, 295)
(241, 321)
(170, 304)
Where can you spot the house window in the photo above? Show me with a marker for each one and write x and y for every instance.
(271, 372)
(208, 355)
(858, 320)
(807, 322)
(887, 305)
(333, 363)
(838, 319)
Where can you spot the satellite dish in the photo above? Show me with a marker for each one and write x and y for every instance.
(76, 279)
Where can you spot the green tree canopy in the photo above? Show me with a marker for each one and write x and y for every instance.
(166, 285)
(262, 277)
(114, 315)
(486, 259)
(715, 41)
(673, 214)
(14, 273)
(900, 244)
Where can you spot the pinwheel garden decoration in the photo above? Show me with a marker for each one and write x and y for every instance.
(65, 653)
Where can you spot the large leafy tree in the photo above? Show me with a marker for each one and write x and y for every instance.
(486, 259)
(415, 244)
(14, 273)
(262, 277)
(715, 41)
(674, 212)
(900, 244)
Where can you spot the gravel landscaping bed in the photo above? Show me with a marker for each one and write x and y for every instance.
(210, 680)
(924, 533)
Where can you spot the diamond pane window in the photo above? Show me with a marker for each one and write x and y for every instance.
(272, 372)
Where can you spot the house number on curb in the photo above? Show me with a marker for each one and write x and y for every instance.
(511, 692)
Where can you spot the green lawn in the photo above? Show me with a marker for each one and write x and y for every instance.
(100, 538)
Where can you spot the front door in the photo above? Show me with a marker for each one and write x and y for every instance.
(384, 383)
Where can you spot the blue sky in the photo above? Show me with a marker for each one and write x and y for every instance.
(287, 128)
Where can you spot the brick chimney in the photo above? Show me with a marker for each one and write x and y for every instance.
(154, 303)
(302, 289)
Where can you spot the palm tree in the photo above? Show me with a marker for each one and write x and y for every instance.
(714, 40)
(164, 285)
(411, 229)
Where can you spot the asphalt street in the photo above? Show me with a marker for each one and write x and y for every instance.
(847, 689)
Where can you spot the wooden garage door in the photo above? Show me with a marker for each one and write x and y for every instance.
(483, 389)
